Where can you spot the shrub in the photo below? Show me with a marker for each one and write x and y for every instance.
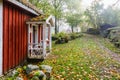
(79, 35)
(72, 36)
(62, 38)
(54, 37)
(75, 35)
(93, 31)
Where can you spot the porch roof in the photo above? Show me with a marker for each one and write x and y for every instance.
(41, 19)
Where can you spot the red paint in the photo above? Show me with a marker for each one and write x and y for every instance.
(17, 38)
(25, 41)
(22, 36)
(30, 34)
(10, 38)
(19, 29)
(5, 38)
(39, 34)
(15, 35)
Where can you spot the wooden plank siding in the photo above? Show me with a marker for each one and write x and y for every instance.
(5, 39)
(15, 36)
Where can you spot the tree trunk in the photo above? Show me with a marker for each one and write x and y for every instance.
(56, 25)
(72, 29)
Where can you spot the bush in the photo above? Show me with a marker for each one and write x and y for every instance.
(93, 31)
(62, 38)
(75, 35)
(72, 36)
(54, 37)
(79, 35)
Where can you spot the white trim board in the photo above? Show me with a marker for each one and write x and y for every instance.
(1, 36)
(23, 6)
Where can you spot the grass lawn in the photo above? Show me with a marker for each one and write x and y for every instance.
(82, 59)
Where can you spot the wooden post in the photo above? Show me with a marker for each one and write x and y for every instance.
(50, 39)
(44, 39)
(28, 38)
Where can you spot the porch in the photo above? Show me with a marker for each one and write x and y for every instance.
(39, 36)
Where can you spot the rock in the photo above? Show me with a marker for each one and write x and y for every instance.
(46, 68)
(9, 74)
(13, 73)
(19, 78)
(36, 73)
(31, 67)
(39, 73)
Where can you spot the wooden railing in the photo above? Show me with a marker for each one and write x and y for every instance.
(35, 50)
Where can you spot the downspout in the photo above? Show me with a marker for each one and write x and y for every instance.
(47, 21)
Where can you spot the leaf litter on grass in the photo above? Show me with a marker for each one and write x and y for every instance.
(82, 59)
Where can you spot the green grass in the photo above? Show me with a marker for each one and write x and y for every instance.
(81, 59)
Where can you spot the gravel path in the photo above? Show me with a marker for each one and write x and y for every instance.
(108, 53)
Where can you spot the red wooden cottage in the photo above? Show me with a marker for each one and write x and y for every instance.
(24, 32)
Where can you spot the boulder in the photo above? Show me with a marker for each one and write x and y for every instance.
(13, 73)
(31, 67)
(19, 78)
(47, 70)
(38, 74)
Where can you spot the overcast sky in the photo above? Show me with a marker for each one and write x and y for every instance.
(86, 3)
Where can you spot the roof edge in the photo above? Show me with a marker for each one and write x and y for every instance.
(24, 7)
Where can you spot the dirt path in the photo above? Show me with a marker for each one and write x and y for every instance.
(108, 52)
(112, 54)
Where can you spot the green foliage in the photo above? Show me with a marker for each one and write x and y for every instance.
(11, 78)
(62, 38)
(56, 8)
(83, 59)
(75, 35)
(73, 19)
(65, 38)
(93, 31)
(43, 5)
(93, 14)
(35, 78)
(98, 15)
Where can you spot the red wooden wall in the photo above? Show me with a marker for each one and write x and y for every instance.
(14, 35)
